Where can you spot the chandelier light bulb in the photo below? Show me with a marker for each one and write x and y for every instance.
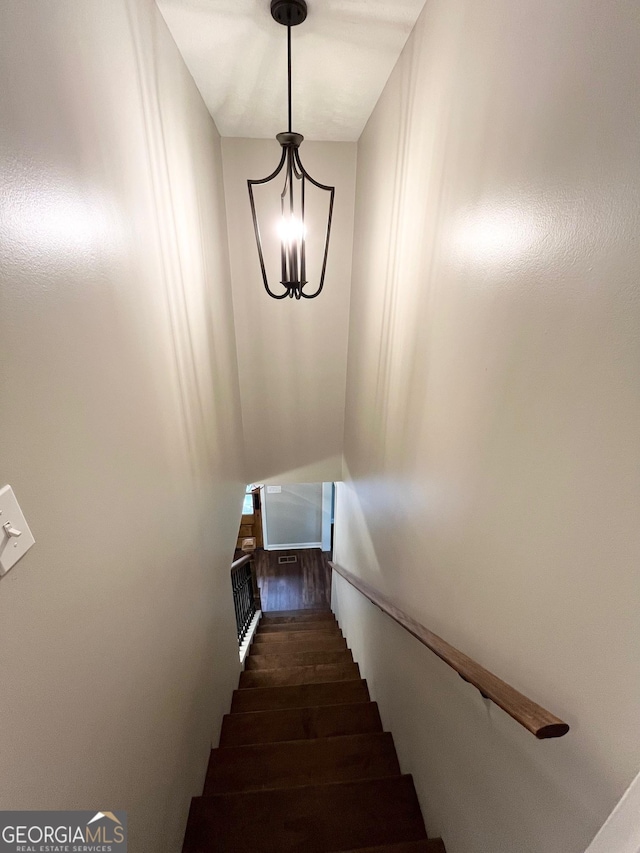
(291, 230)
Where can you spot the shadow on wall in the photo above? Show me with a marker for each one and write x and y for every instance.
(190, 207)
(346, 41)
(311, 471)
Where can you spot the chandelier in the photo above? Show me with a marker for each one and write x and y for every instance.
(294, 180)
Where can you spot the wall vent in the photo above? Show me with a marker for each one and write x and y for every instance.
(289, 558)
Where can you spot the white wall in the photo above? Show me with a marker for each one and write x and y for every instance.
(291, 354)
(621, 832)
(492, 428)
(119, 421)
(294, 515)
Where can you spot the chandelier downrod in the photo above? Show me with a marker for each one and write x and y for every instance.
(289, 74)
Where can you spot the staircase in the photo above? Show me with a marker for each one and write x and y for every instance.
(303, 763)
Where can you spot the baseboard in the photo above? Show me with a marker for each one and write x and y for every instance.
(297, 546)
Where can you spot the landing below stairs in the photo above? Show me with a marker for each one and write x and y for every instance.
(303, 763)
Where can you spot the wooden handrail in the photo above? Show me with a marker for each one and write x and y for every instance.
(241, 561)
(533, 717)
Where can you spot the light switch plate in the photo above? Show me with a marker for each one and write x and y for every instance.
(274, 490)
(15, 542)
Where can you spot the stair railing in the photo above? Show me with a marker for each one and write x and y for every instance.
(525, 711)
(244, 597)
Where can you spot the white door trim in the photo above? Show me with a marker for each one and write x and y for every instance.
(327, 493)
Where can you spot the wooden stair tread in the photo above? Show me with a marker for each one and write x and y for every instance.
(301, 762)
(299, 696)
(278, 643)
(297, 616)
(292, 657)
(316, 818)
(313, 674)
(297, 627)
(296, 636)
(299, 723)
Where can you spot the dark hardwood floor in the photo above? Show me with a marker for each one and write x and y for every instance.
(301, 585)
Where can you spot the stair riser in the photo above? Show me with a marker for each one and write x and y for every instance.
(299, 675)
(269, 619)
(307, 611)
(289, 820)
(324, 644)
(300, 638)
(299, 724)
(275, 661)
(300, 696)
(305, 762)
(324, 625)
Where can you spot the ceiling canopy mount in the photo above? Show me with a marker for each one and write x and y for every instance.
(289, 13)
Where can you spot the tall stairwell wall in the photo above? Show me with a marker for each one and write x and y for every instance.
(493, 412)
(119, 418)
(292, 354)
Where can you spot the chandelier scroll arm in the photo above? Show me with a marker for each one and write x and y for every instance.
(256, 226)
(332, 192)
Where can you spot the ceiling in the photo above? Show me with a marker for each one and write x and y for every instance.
(342, 57)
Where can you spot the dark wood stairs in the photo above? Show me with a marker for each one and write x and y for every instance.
(303, 762)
